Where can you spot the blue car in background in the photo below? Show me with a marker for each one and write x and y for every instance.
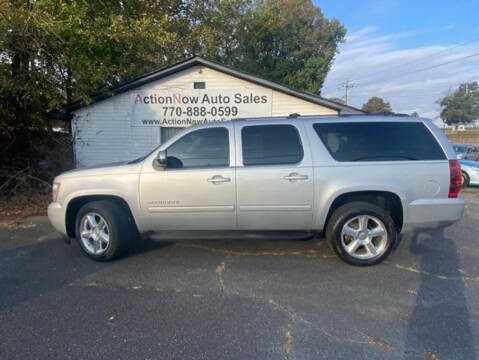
(470, 172)
(466, 152)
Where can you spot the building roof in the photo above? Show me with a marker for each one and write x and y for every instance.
(65, 113)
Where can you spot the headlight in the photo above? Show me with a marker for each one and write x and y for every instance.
(55, 191)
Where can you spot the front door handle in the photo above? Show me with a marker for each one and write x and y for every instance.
(295, 177)
(218, 179)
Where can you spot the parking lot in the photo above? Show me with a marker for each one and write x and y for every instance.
(240, 299)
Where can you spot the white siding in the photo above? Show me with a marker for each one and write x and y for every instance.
(284, 105)
(103, 131)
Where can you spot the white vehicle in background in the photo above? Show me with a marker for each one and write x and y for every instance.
(360, 180)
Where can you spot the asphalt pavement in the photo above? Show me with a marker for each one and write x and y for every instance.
(240, 299)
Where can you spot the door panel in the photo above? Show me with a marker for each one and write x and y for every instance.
(197, 188)
(186, 200)
(279, 196)
(268, 201)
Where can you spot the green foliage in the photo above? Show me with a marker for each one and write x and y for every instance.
(376, 105)
(286, 41)
(53, 52)
(462, 106)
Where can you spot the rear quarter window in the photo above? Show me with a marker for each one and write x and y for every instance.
(379, 141)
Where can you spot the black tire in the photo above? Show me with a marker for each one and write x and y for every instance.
(346, 213)
(465, 180)
(121, 231)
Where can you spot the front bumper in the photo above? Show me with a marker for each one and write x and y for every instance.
(432, 213)
(56, 215)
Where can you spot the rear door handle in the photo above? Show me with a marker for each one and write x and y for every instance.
(218, 179)
(295, 177)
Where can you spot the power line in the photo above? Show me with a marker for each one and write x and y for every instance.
(419, 60)
(444, 63)
(435, 66)
(428, 68)
(401, 96)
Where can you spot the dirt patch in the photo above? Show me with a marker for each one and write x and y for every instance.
(16, 208)
(468, 136)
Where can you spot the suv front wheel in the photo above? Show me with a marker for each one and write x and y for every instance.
(103, 230)
(361, 233)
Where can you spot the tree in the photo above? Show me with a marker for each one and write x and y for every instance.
(415, 114)
(286, 41)
(462, 106)
(376, 105)
(53, 52)
(56, 51)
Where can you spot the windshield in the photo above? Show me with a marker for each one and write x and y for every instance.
(136, 161)
(140, 159)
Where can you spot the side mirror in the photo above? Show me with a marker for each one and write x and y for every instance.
(161, 158)
(160, 161)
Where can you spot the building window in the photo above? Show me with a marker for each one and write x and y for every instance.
(199, 85)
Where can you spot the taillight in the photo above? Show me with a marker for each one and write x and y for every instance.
(456, 178)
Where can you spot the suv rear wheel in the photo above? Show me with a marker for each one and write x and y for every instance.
(361, 233)
(103, 230)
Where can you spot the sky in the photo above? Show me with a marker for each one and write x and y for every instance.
(396, 49)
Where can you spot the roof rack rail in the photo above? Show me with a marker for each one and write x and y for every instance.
(377, 114)
(290, 116)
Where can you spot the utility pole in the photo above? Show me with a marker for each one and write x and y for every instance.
(347, 85)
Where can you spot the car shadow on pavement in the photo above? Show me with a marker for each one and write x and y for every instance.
(35, 269)
(145, 245)
(439, 324)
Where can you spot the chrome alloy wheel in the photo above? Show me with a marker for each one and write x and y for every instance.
(364, 237)
(94, 233)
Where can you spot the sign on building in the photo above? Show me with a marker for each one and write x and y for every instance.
(182, 108)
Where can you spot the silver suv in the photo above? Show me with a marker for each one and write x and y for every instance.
(359, 180)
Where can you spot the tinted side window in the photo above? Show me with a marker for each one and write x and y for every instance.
(379, 141)
(201, 148)
(271, 145)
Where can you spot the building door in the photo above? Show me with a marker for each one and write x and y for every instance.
(197, 189)
(168, 132)
(275, 181)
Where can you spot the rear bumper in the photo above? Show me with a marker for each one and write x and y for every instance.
(432, 213)
(56, 215)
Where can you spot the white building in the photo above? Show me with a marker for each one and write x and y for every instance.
(135, 117)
